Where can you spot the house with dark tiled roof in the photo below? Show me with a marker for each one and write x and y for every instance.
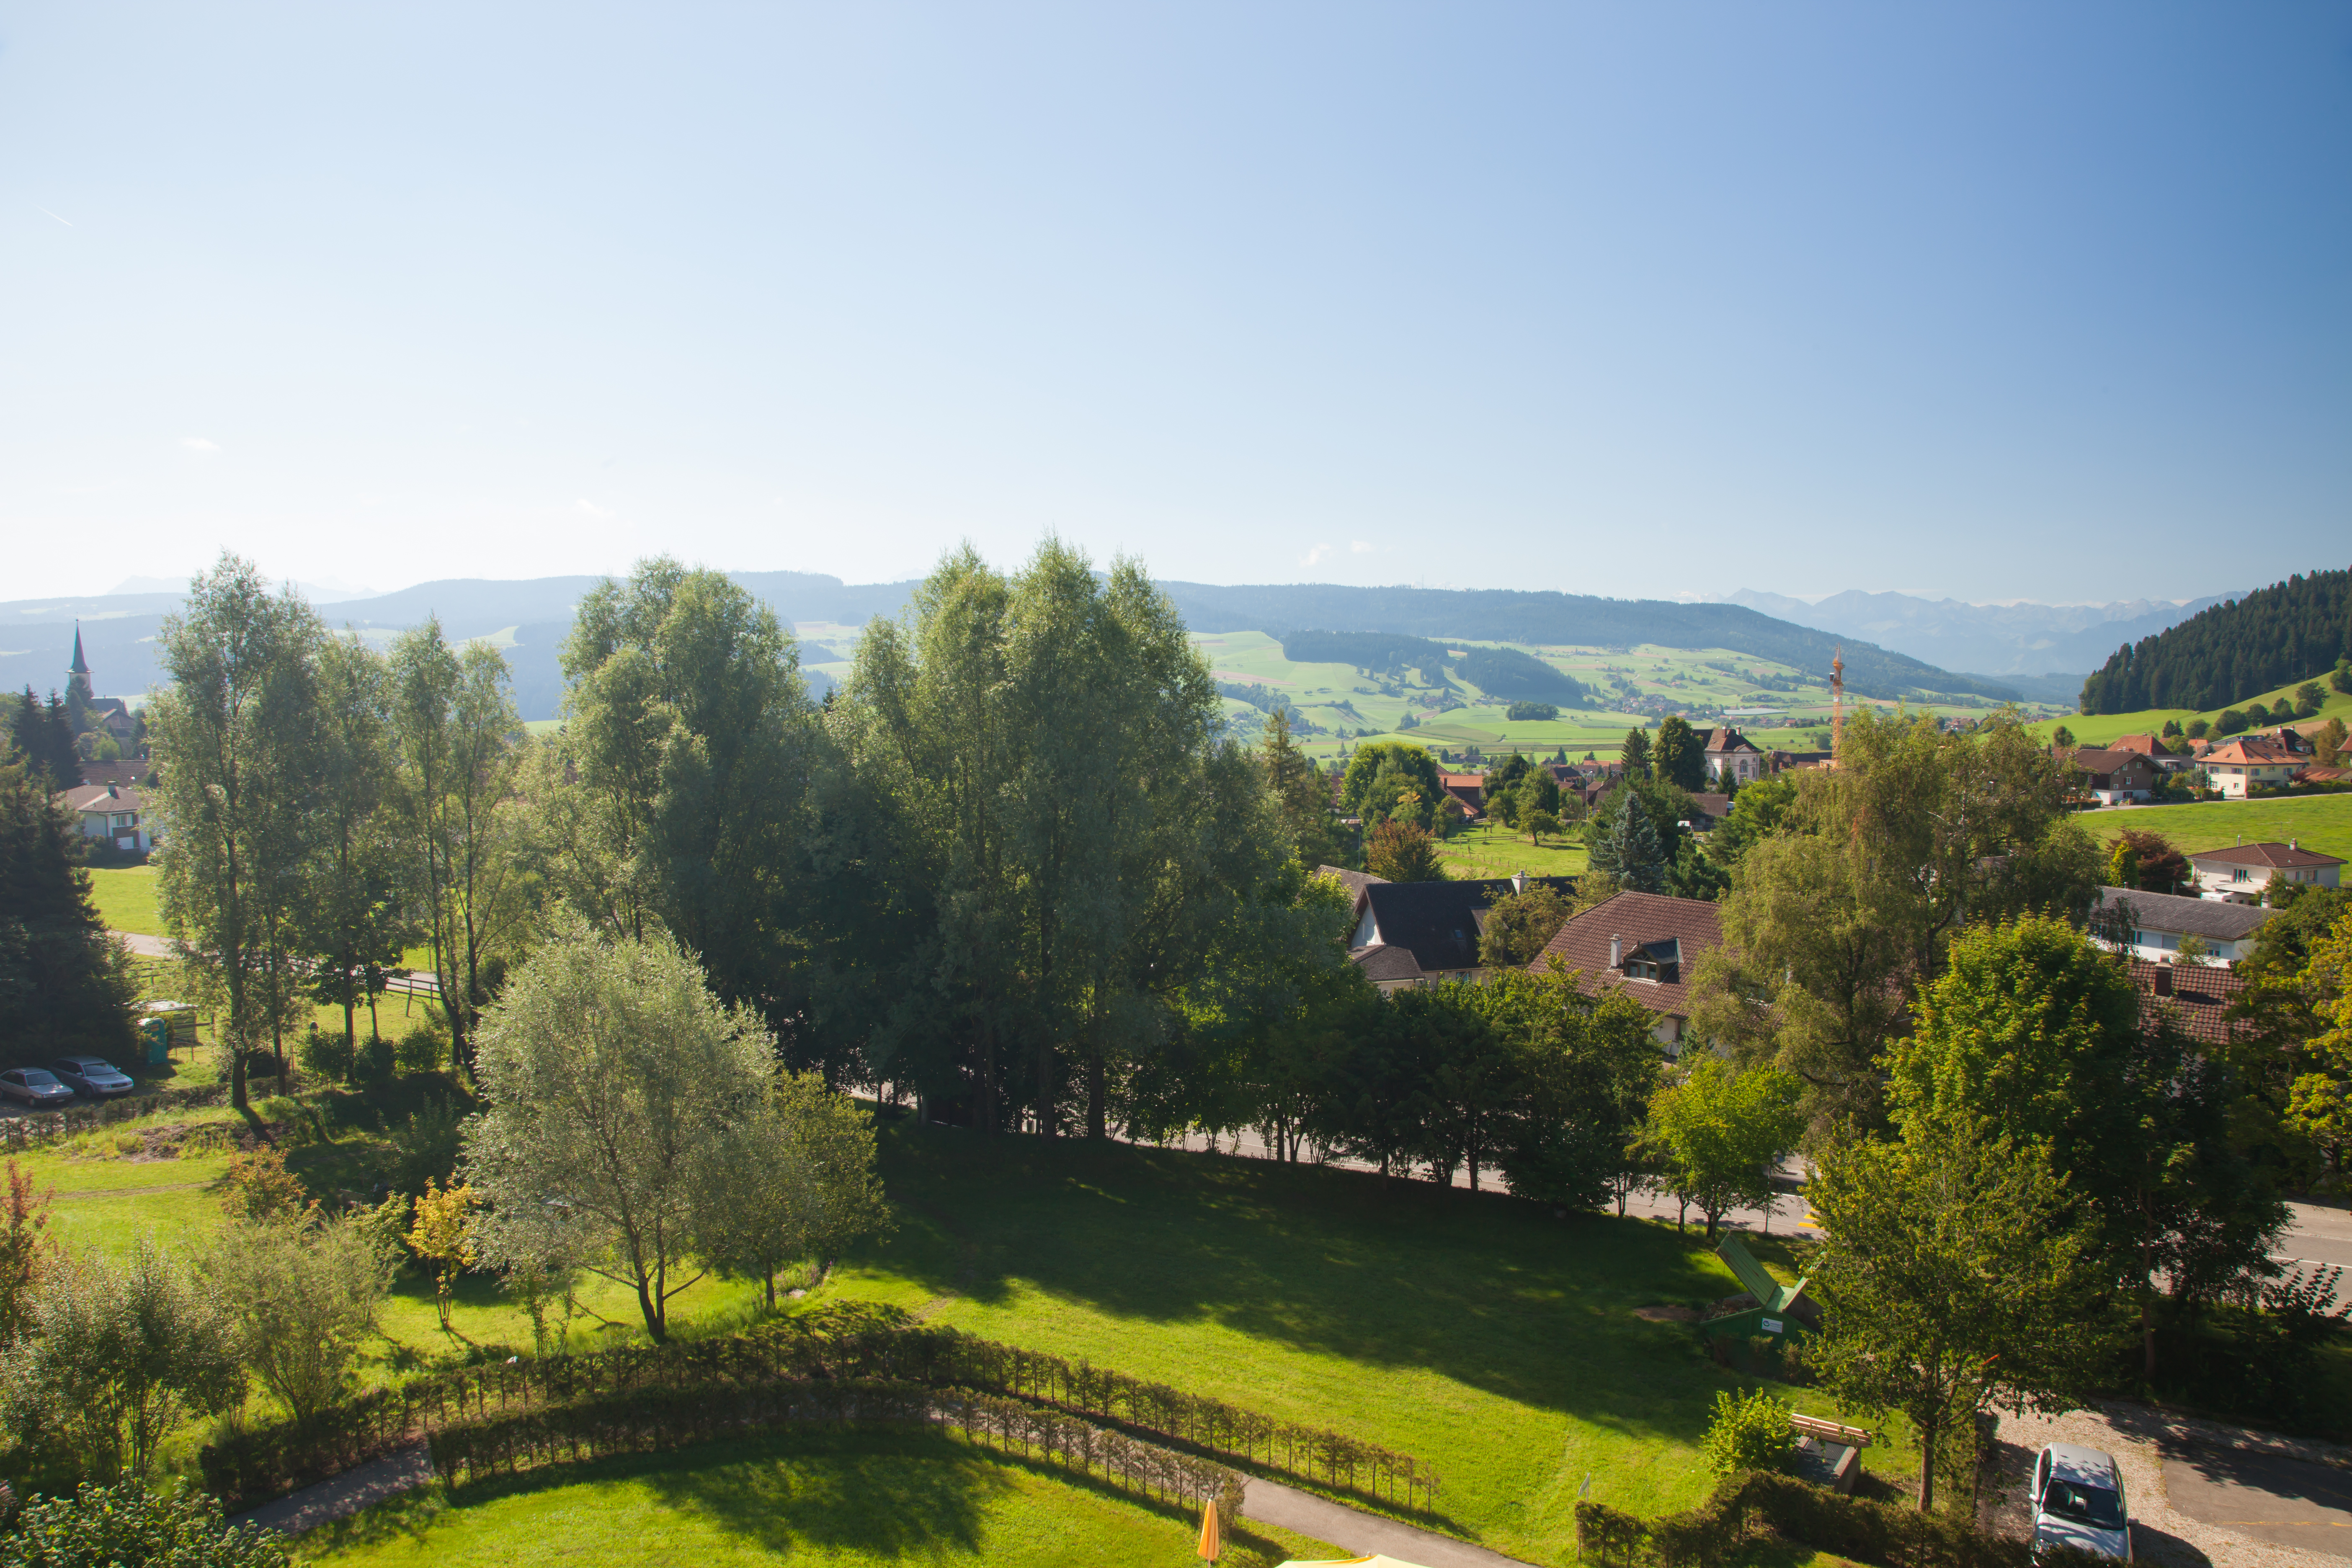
(2160, 923)
(2194, 997)
(2113, 775)
(2240, 871)
(112, 812)
(1354, 881)
(1417, 933)
(1712, 808)
(1646, 946)
(1728, 752)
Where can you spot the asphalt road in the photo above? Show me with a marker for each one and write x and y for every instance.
(2290, 1502)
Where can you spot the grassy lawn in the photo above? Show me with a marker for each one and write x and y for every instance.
(1496, 851)
(834, 1498)
(1471, 1330)
(2097, 729)
(2321, 822)
(126, 899)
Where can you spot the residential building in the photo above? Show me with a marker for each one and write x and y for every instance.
(110, 812)
(2195, 997)
(1417, 933)
(2240, 871)
(1728, 752)
(1712, 808)
(2243, 762)
(2113, 775)
(2161, 921)
(1646, 946)
(1354, 881)
(1470, 789)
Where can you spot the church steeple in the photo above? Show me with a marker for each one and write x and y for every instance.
(78, 668)
(78, 696)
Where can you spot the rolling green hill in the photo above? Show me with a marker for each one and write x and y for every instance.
(2098, 729)
(2233, 652)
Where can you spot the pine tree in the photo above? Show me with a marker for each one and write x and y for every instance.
(44, 737)
(1625, 845)
(63, 985)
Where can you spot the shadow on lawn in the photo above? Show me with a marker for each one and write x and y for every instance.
(1479, 1287)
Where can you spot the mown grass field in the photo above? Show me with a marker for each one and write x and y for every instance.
(840, 1499)
(1496, 851)
(1472, 1330)
(2321, 822)
(126, 899)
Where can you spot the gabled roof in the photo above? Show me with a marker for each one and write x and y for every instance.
(2197, 998)
(2250, 749)
(2209, 917)
(1637, 921)
(1384, 962)
(1354, 881)
(2272, 855)
(1439, 920)
(103, 797)
(2145, 745)
(2106, 759)
(1714, 803)
(1726, 739)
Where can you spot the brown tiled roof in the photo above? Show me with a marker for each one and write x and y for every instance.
(2145, 745)
(1728, 740)
(2250, 749)
(2274, 855)
(2314, 774)
(2200, 1000)
(1386, 961)
(1637, 921)
(1714, 803)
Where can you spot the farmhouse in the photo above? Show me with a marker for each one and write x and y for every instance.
(2161, 921)
(2115, 776)
(2236, 766)
(2240, 871)
(110, 812)
(1417, 933)
(1644, 944)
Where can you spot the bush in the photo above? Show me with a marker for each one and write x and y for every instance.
(1531, 710)
(421, 1049)
(424, 1147)
(326, 1056)
(101, 1527)
(2231, 722)
(2199, 728)
(1757, 1502)
(374, 1062)
(1749, 1432)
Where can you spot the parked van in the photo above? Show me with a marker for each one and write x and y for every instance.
(2078, 1502)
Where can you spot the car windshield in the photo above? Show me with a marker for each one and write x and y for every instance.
(36, 1078)
(2079, 1504)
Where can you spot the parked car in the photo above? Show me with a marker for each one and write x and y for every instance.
(93, 1076)
(2078, 1502)
(35, 1088)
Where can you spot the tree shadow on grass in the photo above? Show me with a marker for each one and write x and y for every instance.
(888, 1493)
(1481, 1289)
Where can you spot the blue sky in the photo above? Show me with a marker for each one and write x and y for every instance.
(1981, 300)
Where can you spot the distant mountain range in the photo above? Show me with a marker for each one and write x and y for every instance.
(2058, 643)
(530, 618)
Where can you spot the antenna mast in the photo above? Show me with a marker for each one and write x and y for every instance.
(1837, 700)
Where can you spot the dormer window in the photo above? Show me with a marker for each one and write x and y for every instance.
(1642, 969)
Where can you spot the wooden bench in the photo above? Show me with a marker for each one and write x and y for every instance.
(1829, 1431)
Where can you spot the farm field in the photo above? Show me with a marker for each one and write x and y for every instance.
(1471, 1330)
(1494, 851)
(2321, 822)
(2098, 729)
(841, 1498)
(126, 899)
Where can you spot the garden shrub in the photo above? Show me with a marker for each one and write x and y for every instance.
(104, 1527)
(421, 1049)
(1749, 1432)
(1759, 1502)
(374, 1062)
(425, 1146)
(326, 1056)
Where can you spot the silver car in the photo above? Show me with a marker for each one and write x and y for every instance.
(35, 1088)
(2078, 1502)
(93, 1076)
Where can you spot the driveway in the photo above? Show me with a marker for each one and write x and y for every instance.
(2291, 1502)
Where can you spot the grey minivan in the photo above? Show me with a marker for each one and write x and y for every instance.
(2078, 1502)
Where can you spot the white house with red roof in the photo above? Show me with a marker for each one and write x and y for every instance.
(2236, 764)
(1728, 752)
(2240, 872)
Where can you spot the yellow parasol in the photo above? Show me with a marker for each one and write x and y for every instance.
(1212, 1541)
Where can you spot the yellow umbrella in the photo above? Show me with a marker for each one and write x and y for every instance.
(1211, 1542)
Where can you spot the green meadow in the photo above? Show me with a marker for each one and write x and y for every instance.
(2320, 822)
(2098, 729)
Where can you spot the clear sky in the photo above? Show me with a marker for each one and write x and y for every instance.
(1993, 301)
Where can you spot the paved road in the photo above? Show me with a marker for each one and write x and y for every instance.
(2289, 1503)
(1366, 1534)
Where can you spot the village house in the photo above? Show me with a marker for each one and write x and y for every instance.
(1644, 945)
(1728, 752)
(2115, 776)
(110, 812)
(2239, 764)
(1470, 789)
(2240, 872)
(2160, 923)
(1418, 933)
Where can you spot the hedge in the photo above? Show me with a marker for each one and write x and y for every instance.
(48, 1126)
(670, 1417)
(1757, 1502)
(844, 1344)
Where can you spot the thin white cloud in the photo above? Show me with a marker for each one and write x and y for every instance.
(593, 510)
(45, 213)
(200, 447)
(1315, 556)
(1360, 547)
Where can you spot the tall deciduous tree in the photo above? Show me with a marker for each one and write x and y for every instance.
(1953, 1277)
(460, 744)
(794, 1180)
(1679, 755)
(1518, 925)
(610, 1074)
(352, 921)
(1719, 1133)
(235, 729)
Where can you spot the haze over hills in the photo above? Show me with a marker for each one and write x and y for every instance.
(2061, 643)
(529, 618)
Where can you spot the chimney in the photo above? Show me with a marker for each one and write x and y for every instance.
(1616, 952)
(1518, 881)
(2163, 978)
(2295, 842)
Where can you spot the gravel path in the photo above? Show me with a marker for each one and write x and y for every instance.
(1366, 1534)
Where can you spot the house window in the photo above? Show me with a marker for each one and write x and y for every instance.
(2241, 875)
(1642, 969)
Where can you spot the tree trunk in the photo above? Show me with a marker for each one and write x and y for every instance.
(1927, 1432)
(1097, 1127)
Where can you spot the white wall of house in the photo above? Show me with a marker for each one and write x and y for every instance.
(2221, 879)
(2230, 779)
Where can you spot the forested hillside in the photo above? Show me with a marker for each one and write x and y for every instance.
(1504, 672)
(2287, 632)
